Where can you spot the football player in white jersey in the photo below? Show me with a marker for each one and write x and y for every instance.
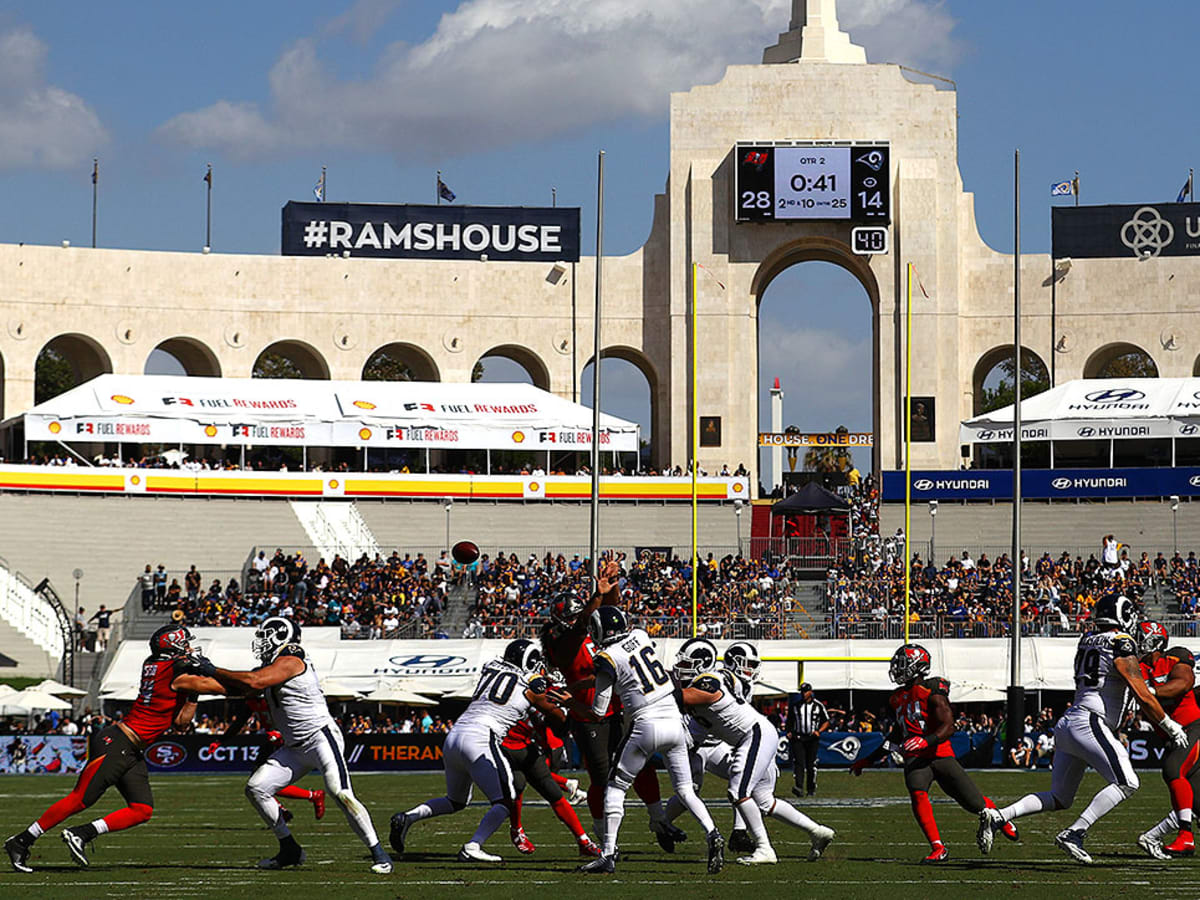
(626, 663)
(508, 688)
(719, 701)
(311, 740)
(1106, 671)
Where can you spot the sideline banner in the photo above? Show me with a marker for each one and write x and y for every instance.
(815, 439)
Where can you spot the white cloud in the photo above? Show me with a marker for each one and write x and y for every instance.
(500, 72)
(40, 125)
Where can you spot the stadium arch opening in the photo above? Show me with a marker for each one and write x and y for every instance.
(785, 282)
(630, 389)
(183, 356)
(399, 361)
(67, 361)
(507, 362)
(1120, 360)
(290, 359)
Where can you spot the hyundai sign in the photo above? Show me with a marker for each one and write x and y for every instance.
(1043, 484)
(392, 231)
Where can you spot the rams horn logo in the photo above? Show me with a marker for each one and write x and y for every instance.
(847, 747)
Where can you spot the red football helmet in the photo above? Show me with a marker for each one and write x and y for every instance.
(1151, 636)
(172, 640)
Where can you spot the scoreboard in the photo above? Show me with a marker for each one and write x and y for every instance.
(807, 181)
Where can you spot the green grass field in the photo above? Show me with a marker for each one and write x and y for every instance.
(204, 841)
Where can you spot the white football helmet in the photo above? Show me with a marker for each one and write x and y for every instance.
(272, 636)
(741, 657)
(696, 656)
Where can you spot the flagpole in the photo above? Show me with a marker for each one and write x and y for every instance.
(437, 188)
(1074, 184)
(695, 465)
(208, 208)
(1192, 185)
(324, 186)
(908, 453)
(95, 179)
(594, 548)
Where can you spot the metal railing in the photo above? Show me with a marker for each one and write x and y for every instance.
(30, 614)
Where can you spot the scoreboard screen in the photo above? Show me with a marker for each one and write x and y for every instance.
(811, 182)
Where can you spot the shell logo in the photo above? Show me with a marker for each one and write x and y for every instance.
(737, 487)
(210, 430)
(54, 427)
(364, 433)
(122, 399)
(333, 484)
(534, 486)
(364, 404)
(518, 437)
(135, 479)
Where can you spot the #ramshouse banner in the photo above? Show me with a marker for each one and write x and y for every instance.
(1115, 232)
(395, 231)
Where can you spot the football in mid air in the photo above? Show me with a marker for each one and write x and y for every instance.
(465, 552)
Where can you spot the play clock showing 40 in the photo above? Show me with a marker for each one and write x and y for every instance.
(807, 181)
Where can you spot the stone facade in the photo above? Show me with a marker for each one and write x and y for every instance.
(106, 310)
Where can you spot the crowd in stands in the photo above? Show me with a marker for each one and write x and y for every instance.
(965, 597)
(737, 597)
(396, 596)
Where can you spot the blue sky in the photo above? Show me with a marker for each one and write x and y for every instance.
(512, 97)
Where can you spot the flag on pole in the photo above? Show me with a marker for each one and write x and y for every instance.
(1062, 189)
(208, 177)
(95, 171)
(444, 192)
(319, 188)
(1185, 190)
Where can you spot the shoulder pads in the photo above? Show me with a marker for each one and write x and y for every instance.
(1183, 655)
(938, 685)
(1123, 645)
(291, 650)
(708, 683)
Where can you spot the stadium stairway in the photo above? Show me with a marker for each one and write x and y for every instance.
(459, 601)
(32, 661)
(335, 529)
(112, 539)
(807, 618)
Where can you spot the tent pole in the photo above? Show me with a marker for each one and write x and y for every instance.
(426, 460)
(303, 458)
(488, 451)
(243, 466)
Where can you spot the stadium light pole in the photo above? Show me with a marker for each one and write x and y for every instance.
(933, 508)
(1016, 693)
(737, 512)
(1175, 522)
(448, 503)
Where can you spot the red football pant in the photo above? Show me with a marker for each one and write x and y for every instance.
(73, 802)
(291, 792)
(566, 814)
(923, 811)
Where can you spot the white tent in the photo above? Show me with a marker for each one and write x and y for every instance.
(29, 700)
(1097, 409)
(164, 409)
(58, 689)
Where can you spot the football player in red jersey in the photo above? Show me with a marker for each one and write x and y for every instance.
(172, 676)
(523, 752)
(924, 726)
(1172, 679)
(568, 648)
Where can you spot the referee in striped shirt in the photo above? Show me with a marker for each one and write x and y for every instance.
(806, 720)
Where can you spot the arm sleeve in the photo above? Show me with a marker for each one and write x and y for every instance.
(606, 677)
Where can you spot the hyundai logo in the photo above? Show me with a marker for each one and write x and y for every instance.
(1060, 484)
(1194, 481)
(166, 755)
(1086, 431)
(427, 661)
(1188, 429)
(1115, 395)
(847, 747)
(986, 435)
(922, 484)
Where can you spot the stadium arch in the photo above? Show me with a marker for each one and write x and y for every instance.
(1120, 360)
(193, 355)
(400, 361)
(67, 361)
(639, 361)
(527, 359)
(1031, 361)
(291, 359)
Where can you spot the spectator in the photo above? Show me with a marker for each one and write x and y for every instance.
(146, 580)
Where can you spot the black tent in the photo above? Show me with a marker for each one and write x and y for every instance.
(810, 499)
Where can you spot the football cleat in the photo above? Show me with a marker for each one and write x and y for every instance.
(739, 839)
(1184, 845)
(382, 868)
(662, 834)
(1071, 842)
(601, 865)
(821, 839)
(401, 822)
(716, 852)
(588, 847)
(318, 802)
(289, 855)
(18, 853)
(521, 841)
(472, 852)
(763, 856)
(990, 821)
(1153, 846)
(574, 795)
(937, 855)
(1009, 830)
(77, 847)
(381, 863)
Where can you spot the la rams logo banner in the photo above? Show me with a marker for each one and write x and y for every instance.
(1143, 231)
(395, 231)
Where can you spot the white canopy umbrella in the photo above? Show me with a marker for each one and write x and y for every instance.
(6, 689)
(340, 689)
(58, 689)
(393, 691)
(24, 703)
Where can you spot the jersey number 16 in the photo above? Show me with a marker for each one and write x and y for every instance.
(653, 668)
